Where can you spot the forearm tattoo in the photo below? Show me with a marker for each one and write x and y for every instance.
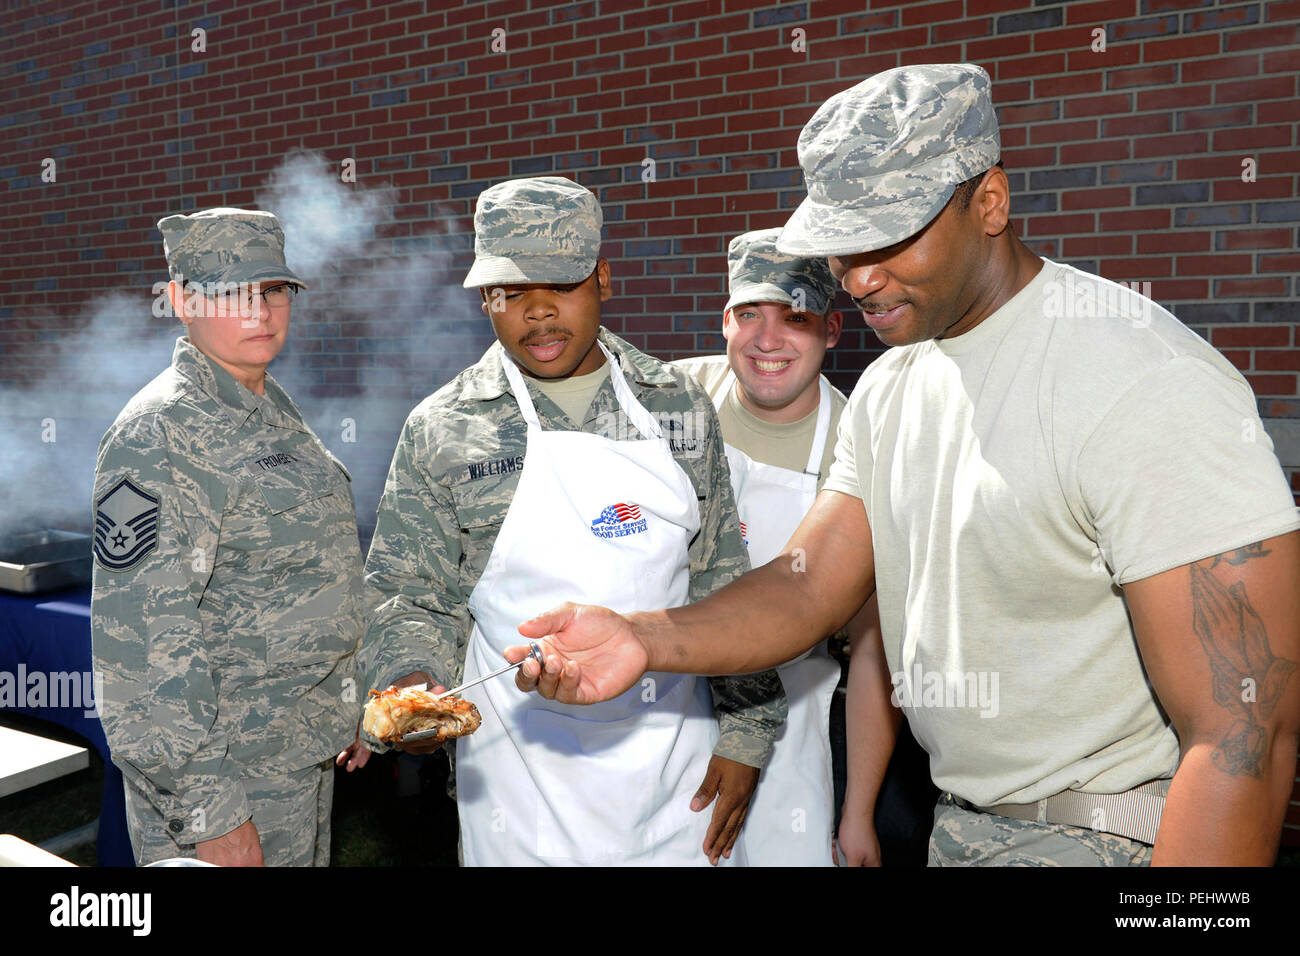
(1248, 680)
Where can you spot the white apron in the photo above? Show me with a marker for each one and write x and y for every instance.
(603, 522)
(792, 814)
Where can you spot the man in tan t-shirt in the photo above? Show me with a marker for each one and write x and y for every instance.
(1084, 549)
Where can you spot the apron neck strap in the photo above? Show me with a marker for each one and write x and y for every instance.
(516, 380)
(643, 421)
(823, 427)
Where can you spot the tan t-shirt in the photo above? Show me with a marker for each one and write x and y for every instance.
(573, 395)
(783, 445)
(1079, 438)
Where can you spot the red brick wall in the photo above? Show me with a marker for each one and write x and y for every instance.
(1126, 162)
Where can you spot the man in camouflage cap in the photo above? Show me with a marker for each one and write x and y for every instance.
(758, 272)
(228, 598)
(545, 470)
(778, 324)
(545, 229)
(882, 159)
(778, 416)
(1084, 563)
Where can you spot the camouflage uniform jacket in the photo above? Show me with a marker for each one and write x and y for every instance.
(228, 596)
(451, 482)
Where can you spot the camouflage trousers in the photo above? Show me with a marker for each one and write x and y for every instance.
(291, 812)
(964, 837)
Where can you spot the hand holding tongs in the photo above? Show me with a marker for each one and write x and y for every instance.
(534, 653)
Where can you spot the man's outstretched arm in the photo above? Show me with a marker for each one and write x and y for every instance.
(766, 617)
(1220, 639)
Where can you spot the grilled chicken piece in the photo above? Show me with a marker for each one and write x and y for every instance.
(395, 713)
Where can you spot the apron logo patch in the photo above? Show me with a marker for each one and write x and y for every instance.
(618, 521)
(126, 526)
(744, 534)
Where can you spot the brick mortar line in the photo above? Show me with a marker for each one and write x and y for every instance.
(622, 27)
(794, 60)
(1259, 152)
(59, 245)
(595, 113)
(467, 75)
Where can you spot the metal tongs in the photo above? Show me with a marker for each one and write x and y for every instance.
(534, 653)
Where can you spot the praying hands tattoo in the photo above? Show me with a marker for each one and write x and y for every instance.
(1248, 679)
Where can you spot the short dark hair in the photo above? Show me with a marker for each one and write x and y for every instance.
(965, 191)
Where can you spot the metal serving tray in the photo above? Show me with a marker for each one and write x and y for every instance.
(35, 561)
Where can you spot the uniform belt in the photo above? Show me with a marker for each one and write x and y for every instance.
(1134, 813)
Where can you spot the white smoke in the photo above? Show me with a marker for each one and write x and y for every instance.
(395, 322)
(53, 425)
(404, 322)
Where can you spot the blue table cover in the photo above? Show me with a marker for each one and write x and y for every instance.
(50, 634)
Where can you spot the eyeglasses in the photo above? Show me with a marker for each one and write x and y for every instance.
(276, 297)
(227, 295)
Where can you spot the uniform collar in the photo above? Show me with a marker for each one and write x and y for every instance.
(486, 379)
(236, 401)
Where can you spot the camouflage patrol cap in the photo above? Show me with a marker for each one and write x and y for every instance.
(880, 159)
(757, 272)
(226, 245)
(545, 230)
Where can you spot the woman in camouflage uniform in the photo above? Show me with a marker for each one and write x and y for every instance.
(228, 593)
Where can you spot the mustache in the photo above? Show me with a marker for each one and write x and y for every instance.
(866, 305)
(543, 334)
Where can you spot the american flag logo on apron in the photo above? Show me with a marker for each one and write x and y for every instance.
(618, 521)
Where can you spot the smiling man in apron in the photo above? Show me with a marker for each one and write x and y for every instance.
(546, 470)
(777, 413)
